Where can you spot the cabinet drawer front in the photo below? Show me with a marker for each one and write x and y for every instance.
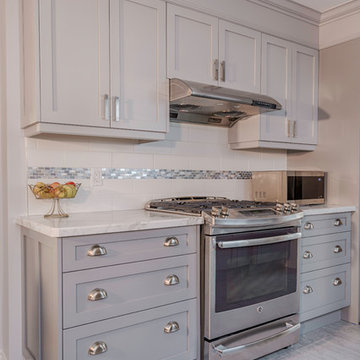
(139, 336)
(325, 224)
(121, 248)
(94, 294)
(325, 251)
(323, 291)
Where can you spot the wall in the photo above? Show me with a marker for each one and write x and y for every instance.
(187, 147)
(338, 148)
(3, 305)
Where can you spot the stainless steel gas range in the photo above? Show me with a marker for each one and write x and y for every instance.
(249, 274)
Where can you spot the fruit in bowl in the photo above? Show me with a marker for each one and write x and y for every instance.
(55, 190)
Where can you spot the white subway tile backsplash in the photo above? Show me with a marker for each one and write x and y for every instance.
(87, 159)
(163, 161)
(124, 160)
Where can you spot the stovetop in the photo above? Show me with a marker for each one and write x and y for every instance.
(195, 205)
(220, 212)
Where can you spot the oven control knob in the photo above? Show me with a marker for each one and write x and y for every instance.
(215, 211)
(279, 207)
(224, 211)
(294, 207)
(287, 208)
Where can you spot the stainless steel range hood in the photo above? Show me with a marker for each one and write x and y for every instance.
(213, 105)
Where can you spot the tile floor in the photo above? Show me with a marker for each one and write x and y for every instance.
(339, 341)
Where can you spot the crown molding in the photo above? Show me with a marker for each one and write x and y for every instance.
(311, 16)
(340, 12)
(292, 9)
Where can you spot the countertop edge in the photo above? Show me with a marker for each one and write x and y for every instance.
(327, 209)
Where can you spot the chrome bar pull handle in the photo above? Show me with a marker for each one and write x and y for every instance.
(106, 109)
(116, 108)
(308, 290)
(97, 250)
(337, 249)
(216, 70)
(222, 70)
(97, 294)
(338, 222)
(294, 129)
(171, 327)
(308, 255)
(337, 282)
(309, 226)
(172, 280)
(97, 348)
(289, 128)
(171, 241)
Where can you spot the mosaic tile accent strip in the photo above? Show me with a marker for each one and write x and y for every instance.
(120, 174)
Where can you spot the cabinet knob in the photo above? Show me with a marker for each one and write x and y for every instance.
(308, 255)
(308, 289)
(338, 249)
(337, 282)
(97, 294)
(97, 348)
(171, 327)
(97, 250)
(171, 280)
(171, 241)
(309, 226)
(338, 222)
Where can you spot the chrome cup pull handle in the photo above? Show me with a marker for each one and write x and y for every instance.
(308, 289)
(171, 327)
(338, 249)
(309, 226)
(97, 348)
(171, 241)
(308, 254)
(97, 250)
(338, 222)
(171, 280)
(97, 294)
(337, 282)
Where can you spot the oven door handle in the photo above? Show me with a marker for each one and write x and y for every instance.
(255, 242)
(223, 350)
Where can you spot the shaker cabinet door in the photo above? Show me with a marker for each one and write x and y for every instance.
(192, 45)
(276, 82)
(305, 89)
(139, 87)
(74, 58)
(239, 56)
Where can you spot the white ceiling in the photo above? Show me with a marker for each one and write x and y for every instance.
(321, 5)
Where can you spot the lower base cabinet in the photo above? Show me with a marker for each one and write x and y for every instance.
(167, 332)
(129, 296)
(324, 264)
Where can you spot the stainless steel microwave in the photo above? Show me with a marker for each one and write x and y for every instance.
(301, 187)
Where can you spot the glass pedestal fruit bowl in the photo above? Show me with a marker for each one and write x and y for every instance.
(55, 191)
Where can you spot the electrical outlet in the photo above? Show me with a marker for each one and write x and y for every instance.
(96, 177)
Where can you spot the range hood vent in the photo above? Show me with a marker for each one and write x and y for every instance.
(213, 105)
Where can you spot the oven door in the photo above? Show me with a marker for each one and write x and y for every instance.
(249, 279)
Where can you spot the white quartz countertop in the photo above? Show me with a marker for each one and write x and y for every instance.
(105, 222)
(326, 209)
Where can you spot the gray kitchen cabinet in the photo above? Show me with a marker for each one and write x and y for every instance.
(289, 73)
(138, 298)
(324, 264)
(71, 51)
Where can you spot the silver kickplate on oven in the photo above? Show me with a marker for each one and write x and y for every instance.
(254, 343)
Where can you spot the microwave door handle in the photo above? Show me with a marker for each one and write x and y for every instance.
(223, 351)
(255, 242)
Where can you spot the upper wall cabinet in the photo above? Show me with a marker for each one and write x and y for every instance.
(205, 49)
(290, 75)
(100, 73)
